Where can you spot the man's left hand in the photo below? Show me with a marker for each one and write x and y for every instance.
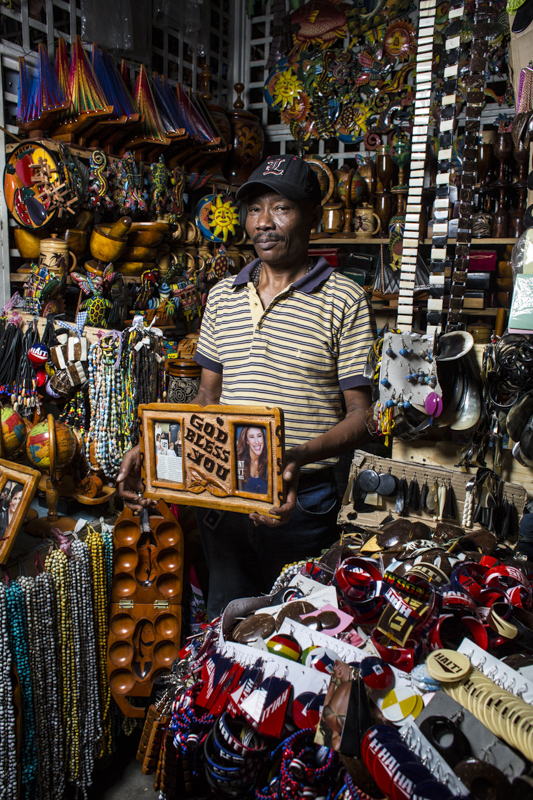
(291, 475)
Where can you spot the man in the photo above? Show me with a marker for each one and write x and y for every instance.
(284, 332)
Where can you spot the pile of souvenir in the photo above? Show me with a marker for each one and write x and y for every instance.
(397, 665)
(53, 630)
(359, 91)
(101, 150)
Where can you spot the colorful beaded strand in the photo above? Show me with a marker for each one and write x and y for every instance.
(8, 746)
(18, 642)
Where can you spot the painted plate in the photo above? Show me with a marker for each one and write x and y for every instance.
(324, 175)
(217, 217)
(22, 196)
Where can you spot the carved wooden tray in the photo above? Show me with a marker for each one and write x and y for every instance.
(145, 611)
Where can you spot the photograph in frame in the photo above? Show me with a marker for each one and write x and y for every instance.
(251, 449)
(226, 457)
(169, 461)
(18, 485)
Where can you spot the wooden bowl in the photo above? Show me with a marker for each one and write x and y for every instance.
(76, 241)
(94, 268)
(139, 253)
(160, 227)
(133, 268)
(104, 247)
(504, 269)
(28, 242)
(504, 284)
(146, 238)
(504, 299)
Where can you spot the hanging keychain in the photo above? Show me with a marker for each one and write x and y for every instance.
(401, 496)
(423, 495)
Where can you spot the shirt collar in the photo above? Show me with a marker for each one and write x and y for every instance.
(311, 281)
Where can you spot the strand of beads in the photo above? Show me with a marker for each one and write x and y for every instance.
(8, 761)
(45, 663)
(85, 656)
(18, 642)
(37, 667)
(57, 564)
(95, 545)
(106, 532)
(110, 423)
(143, 365)
(74, 413)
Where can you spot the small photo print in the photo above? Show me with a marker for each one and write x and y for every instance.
(168, 453)
(10, 498)
(251, 449)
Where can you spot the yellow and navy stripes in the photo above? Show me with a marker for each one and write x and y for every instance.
(299, 354)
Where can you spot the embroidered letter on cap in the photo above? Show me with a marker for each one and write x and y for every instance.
(275, 167)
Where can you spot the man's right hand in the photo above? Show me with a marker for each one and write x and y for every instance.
(129, 480)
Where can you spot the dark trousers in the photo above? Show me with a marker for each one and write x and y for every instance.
(244, 560)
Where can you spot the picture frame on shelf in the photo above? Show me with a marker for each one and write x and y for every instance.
(18, 485)
(224, 457)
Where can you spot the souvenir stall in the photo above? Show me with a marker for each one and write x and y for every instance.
(399, 664)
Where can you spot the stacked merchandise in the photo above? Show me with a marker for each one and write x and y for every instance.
(398, 665)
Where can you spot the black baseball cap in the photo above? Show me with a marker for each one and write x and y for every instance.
(289, 176)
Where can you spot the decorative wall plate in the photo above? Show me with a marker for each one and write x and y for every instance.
(400, 40)
(325, 176)
(217, 216)
(26, 163)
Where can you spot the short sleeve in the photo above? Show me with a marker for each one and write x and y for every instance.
(206, 352)
(356, 337)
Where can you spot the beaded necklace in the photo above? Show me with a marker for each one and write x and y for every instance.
(74, 413)
(88, 729)
(45, 671)
(8, 762)
(11, 344)
(256, 272)
(18, 642)
(24, 397)
(96, 549)
(57, 565)
(142, 368)
(111, 412)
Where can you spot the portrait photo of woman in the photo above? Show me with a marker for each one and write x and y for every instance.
(10, 498)
(252, 459)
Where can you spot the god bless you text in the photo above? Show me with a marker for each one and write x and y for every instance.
(208, 442)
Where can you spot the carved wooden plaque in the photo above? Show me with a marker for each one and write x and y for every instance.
(228, 457)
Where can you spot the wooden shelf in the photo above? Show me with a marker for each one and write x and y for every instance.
(21, 277)
(477, 242)
(332, 241)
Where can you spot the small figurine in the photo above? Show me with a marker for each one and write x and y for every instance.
(96, 304)
(160, 175)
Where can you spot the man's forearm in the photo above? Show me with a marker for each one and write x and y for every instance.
(342, 438)
(203, 398)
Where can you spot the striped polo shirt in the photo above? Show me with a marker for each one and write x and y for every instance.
(299, 354)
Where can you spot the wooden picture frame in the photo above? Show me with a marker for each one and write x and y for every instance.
(18, 485)
(226, 457)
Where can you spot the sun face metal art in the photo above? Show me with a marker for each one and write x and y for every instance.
(217, 216)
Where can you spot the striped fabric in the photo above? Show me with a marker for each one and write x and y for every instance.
(299, 354)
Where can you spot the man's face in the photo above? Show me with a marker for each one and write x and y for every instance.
(280, 228)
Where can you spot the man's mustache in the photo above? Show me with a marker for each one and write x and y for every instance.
(267, 237)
